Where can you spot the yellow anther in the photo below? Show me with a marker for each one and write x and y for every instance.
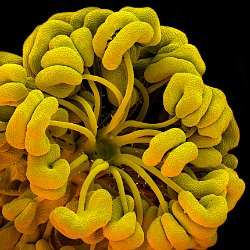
(194, 118)
(209, 211)
(58, 80)
(183, 94)
(230, 138)
(36, 141)
(39, 42)
(9, 236)
(63, 56)
(204, 141)
(212, 183)
(48, 171)
(82, 39)
(158, 240)
(215, 109)
(235, 188)
(148, 15)
(95, 18)
(77, 19)
(175, 233)
(96, 215)
(189, 225)
(178, 158)
(20, 118)
(207, 157)
(215, 129)
(13, 78)
(121, 225)
(8, 57)
(162, 143)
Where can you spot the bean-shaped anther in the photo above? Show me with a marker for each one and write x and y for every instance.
(13, 78)
(183, 94)
(189, 225)
(158, 240)
(207, 157)
(33, 51)
(94, 216)
(82, 39)
(137, 31)
(175, 233)
(48, 171)
(58, 80)
(21, 116)
(63, 56)
(36, 141)
(215, 109)
(162, 143)
(212, 183)
(178, 158)
(210, 211)
(148, 15)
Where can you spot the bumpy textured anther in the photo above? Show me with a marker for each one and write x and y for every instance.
(9, 236)
(204, 141)
(20, 118)
(36, 141)
(8, 57)
(207, 157)
(192, 228)
(121, 225)
(22, 212)
(95, 18)
(63, 56)
(158, 240)
(130, 30)
(77, 19)
(178, 158)
(97, 214)
(36, 46)
(58, 80)
(215, 109)
(183, 94)
(183, 59)
(219, 126)
(132, 242)
(171, 38)
(230, 138)
(178, 152)
(48, 171)
(212, 183)
(160, 144)
(148, 15)
(175, 233)
(210, 211)
(194, 118)
(82, 39)
(235, 188)
(13, 78)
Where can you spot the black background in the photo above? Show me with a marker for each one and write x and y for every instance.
(221, 35)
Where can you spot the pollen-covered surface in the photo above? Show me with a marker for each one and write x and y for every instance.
(162, 143)
(85, 165)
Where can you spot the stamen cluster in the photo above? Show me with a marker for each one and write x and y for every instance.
(89, 156)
